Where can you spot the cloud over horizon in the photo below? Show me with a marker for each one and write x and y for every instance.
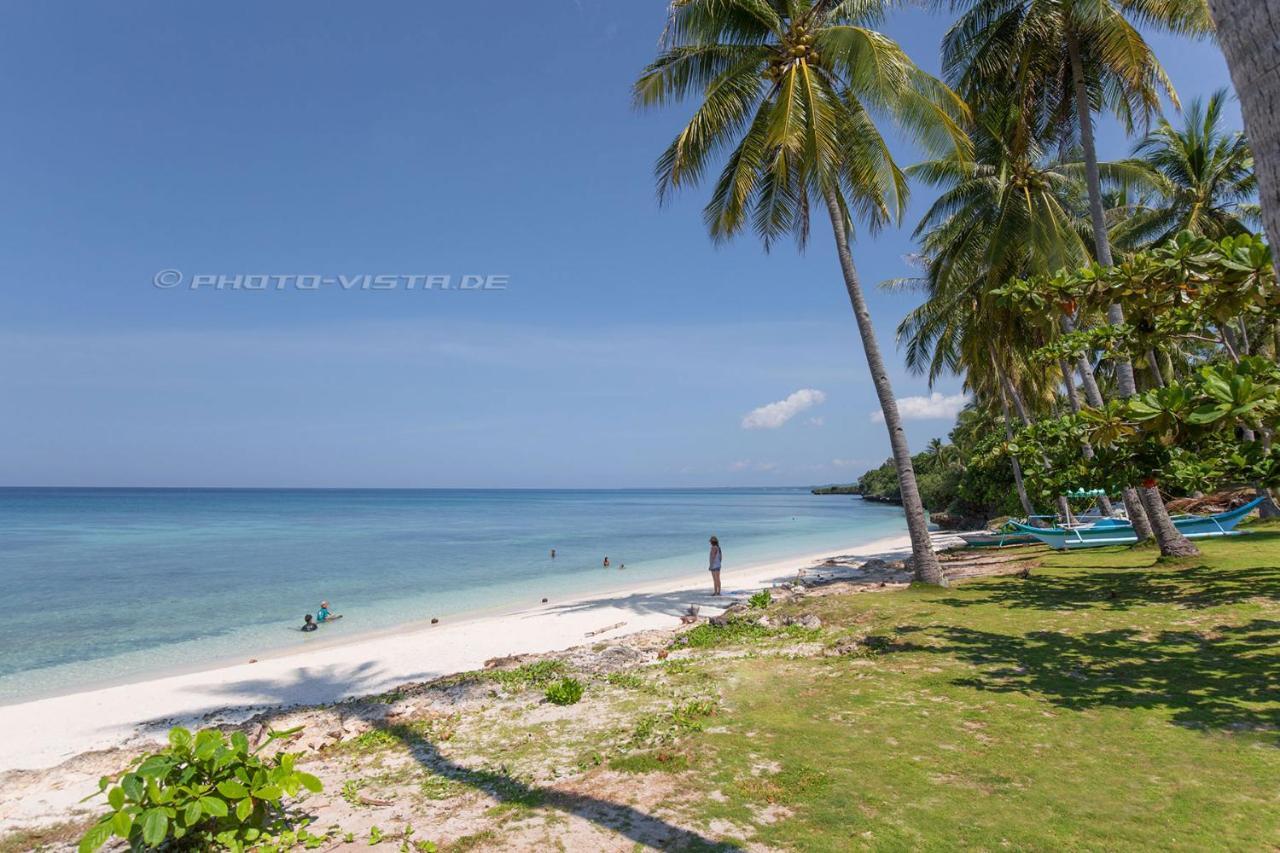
(934, 407)
(774, 415)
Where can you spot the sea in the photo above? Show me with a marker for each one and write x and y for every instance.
(103, 586)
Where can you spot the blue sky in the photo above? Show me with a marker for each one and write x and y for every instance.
(406, 138)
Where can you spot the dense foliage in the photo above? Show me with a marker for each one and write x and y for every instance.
(202, 792)
(1209, 422)
(968, 479)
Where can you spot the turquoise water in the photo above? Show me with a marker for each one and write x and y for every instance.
(103, 585)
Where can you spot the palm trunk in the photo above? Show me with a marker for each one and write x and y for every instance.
(1064, 508)
(1248, 32)
(1177, 544)
(1154, 366)
(1172, 543)
(1020, 486)
(1086, 449)
(924, 560)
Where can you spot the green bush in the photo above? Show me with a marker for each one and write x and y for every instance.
(566, 691)
(763, 598)
(205, 791)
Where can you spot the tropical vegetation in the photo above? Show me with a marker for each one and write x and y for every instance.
(1095, 310)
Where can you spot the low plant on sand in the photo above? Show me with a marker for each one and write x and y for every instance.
(566, 691)
(202, 791)
(761, 599)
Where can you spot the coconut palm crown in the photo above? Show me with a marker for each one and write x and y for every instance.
(790, 94)
(1198, 178)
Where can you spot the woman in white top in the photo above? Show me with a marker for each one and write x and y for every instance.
(714, 565)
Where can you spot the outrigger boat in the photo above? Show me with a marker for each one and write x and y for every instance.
(1114, 531)
(1001, 537)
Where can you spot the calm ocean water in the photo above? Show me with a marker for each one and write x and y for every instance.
(102, 585)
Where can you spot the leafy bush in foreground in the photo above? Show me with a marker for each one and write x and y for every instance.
(763, 598)
(567, 691)
(202, 791)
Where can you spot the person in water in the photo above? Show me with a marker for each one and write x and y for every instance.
(606, 562)
(553, 553)
(324, 615)
(714, 564)
(308, 624)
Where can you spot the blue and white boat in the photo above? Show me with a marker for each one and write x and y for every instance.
(1114, 531)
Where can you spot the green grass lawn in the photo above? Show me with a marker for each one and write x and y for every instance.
(1110, 701)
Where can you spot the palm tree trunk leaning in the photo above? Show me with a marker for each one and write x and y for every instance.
(1172, 543)
(1018, 484)
(1086, 449)
(924, 561)
(1064, 508)
(1249, 33)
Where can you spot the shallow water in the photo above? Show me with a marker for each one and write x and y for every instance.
(103, 585)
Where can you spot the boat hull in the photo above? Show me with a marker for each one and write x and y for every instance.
(1097, 536)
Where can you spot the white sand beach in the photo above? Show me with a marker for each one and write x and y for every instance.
(45, 732)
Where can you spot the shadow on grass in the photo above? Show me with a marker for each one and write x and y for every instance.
(628, 821)
(1224, 678)
(1123, 589)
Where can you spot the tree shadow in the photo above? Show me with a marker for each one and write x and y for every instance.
(302, 687)
(625, 820)
(1223, 678)
(1194, 587)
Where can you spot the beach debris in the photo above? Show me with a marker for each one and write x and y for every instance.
(434, 620)
(544, 601)
(603, 630)
(875, 564)
(662, 654)
(253, 660)
(505, 660)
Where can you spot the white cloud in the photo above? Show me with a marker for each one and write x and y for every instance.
(819, 421)
(934, 407)
(844, 463)
(776, 414)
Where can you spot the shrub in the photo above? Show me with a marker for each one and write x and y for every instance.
(566, 691)
(763, 598)
(204, 791)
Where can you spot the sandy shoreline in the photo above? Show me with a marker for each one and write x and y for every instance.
(45, 732)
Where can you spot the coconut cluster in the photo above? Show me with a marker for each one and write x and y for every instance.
(797, 46)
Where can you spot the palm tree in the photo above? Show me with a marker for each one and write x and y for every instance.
(1249, 31)
(1198, 178)
(789, 89)
(1005, 211)
(1061, 60)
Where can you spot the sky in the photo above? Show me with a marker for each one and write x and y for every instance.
(602, 341)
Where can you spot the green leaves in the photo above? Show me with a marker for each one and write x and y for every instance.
(95, 837)
(155, 824)
(232, 790)
(206, 789)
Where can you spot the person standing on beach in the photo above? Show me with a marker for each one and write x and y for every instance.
(714, 564)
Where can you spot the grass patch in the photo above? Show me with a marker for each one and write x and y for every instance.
(627, 681)
(650, 761)
(664, 727)
(1109, 701)
(530, 675)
